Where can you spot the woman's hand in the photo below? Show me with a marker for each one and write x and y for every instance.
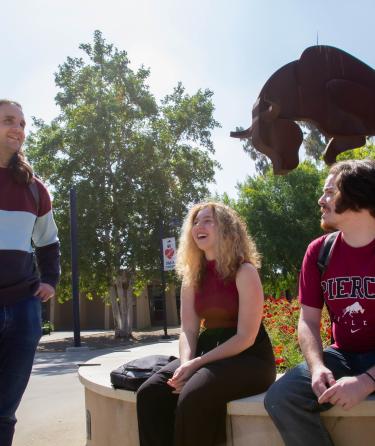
(182, 374)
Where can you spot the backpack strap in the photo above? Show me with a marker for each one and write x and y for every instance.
(326, 251)
(34, 190)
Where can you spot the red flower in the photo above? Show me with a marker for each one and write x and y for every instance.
(279, 361)
(278, 349)
(287, 329)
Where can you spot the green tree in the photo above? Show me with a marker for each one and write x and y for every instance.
(367, 151)
(283, 217)
(314, 142)
(135, 164)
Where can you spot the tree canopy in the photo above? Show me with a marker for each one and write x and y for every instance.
(282, 215)
(133, 161)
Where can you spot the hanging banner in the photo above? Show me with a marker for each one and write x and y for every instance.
(169, 253)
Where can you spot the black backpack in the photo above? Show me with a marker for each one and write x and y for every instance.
(325, 256)
(326, 251)
(133, 374)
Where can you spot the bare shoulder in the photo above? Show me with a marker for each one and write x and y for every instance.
(247, 272)
(247, 268)
(249, 285)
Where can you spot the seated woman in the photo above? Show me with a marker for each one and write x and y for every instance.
(225, 353)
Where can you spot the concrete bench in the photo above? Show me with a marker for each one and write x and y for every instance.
(112, 420)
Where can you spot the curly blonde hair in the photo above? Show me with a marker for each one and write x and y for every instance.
(234, 247)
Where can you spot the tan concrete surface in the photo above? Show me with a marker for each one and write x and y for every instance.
(112, 412)
(52, 411)
(248, 422)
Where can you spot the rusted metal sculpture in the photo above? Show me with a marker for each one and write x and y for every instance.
(326, 86)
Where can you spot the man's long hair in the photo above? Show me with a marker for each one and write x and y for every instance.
(21, 170)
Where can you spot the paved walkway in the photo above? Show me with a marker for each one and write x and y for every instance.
(52, 411)
(58, 335)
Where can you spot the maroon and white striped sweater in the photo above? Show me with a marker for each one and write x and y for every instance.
(22, 223)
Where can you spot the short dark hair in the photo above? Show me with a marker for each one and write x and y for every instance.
(356, 185)
(21, 170)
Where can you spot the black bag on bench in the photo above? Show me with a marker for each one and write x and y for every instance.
(131, 375)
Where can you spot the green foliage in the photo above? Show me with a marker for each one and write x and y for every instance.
(136, 164)
(314, 142)
(281, 321)
(47, 327)
(283, 217)
(367, 151)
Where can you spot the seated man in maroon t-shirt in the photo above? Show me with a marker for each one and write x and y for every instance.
(344, 373)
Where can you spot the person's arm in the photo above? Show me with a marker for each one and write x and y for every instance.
(190, 323)
(249, 317)
(47, 248)
(311, 346)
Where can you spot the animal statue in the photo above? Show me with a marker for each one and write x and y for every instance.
(327, 87)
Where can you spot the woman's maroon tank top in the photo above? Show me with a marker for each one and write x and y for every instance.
(216, 302)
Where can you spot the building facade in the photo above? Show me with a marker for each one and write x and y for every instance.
(95, 314)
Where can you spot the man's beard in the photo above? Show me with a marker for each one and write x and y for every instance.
(327, 227)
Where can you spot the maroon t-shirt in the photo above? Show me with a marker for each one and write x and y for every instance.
(348, 289)
(216, 302)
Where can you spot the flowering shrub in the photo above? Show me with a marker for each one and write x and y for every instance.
(280, 319)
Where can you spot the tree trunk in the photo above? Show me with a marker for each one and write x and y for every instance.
(121, 295)
(129, 299)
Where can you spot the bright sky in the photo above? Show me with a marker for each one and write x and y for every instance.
(231, 48)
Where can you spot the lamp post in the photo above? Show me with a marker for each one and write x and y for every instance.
(162, 275)
(174, 222)
(74, 258)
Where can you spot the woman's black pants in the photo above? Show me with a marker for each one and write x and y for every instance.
(197, 416)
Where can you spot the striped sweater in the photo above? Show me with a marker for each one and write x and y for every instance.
(23, 223)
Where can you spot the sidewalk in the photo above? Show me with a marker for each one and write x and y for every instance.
(52, 411)
(59, 335)
(96, 339)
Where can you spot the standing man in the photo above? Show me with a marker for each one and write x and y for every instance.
(25, 218)
(344, 373)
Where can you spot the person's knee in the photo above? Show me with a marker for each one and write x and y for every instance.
(272, 396)
(152, 390)
(196, 400)
(8, 420)
(277, 395)
(146, 393)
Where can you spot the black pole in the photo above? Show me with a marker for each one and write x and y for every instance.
(162, 273)
(74, 257)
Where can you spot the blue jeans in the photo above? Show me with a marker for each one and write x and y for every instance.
(293, 406)
(20, 331)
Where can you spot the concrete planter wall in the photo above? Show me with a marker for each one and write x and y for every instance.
(112, 418)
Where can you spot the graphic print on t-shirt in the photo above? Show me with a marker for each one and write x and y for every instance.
(353, 309)
(356, 321)
(340, 291)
